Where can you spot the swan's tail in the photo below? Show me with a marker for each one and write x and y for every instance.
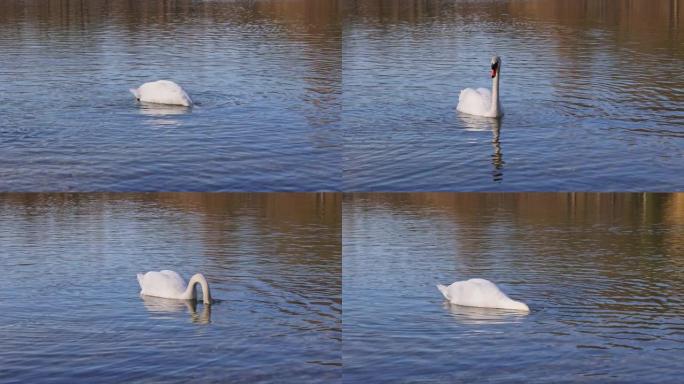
(135, 93)
(444, 290)
(140, 280)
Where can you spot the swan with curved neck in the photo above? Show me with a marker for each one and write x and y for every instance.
(480, 293)
(170, 285)
(482, 101)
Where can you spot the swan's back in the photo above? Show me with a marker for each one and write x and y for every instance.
(479, 293)
(168, 284)
(475, 101)
(162, 92)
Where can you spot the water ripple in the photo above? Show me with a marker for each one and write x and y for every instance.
(596, 270)
(72, 310)
(589, 103)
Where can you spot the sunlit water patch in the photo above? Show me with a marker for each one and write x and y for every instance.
(265, 76)
(593, 95)
(70, 303)
(600, 273)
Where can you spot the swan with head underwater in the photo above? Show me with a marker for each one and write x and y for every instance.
(170, 285)
(482, 101)
(162, 92)
(480, 293)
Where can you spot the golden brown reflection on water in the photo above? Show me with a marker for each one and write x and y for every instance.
(600, 272)
(613, 216)
(273, 262)
(551, 207)
(629, 16)
(542, 204)
(301, 207)
(292, 214)
(655, 24)
(312, 14)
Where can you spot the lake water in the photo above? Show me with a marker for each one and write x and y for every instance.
(265, 76)
(602, 274)
(70, 303)
(360, 95)
(593, 94)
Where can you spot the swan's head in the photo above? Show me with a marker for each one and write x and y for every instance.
(496, 65)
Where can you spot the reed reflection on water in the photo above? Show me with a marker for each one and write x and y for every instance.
(72, 309)
(592, 93)
(600, 272)
(265, 76)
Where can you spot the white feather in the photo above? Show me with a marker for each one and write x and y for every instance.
(162, 92)
(479, 293)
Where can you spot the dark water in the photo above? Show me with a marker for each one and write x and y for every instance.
(70, 303)
(266, 77)
(593, 93)
(602, 275)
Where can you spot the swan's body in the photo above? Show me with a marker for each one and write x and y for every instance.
(162, 92)
(170, 285)
(482, 101)
(479, 293)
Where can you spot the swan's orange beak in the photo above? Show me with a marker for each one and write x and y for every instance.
(493, 73)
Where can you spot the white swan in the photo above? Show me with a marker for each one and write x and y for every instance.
(170, 285)
(482, 102)
(479, 293)
(162, 92)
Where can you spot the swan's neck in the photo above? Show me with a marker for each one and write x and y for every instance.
(494, 109)
(192, 293)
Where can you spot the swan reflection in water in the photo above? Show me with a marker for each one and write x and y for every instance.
(483, 316)
(481, 124)
(159, 305)
(162, 113)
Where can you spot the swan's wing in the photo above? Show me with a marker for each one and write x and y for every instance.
(489, 292)
(174, 279)
(486, 96)
(179, 94)
(474, 102)
(164, 92)
(454, 293)
(480, 281)
(172, 89)
(171, 274)
(164, 283)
